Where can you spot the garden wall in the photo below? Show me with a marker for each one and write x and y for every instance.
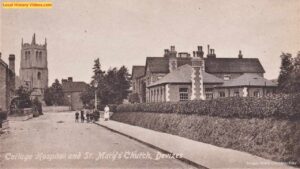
(267, 127)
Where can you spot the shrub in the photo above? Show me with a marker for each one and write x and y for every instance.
(281, 106)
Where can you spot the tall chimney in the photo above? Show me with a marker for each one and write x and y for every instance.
(172, 59)
(11, 59)
(208, 50)
(166, 54)
(240, 55)
(197, 76)
(200, 52)
(70, 79)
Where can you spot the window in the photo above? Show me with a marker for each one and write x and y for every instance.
(183, 94)
(222, 94)
(27, 55)
(208, 93)
(256, 94)
(39, 76)
(133, 86)
(226, 77)
(236, 93)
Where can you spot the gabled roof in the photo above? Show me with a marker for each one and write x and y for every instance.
(74, 86)
(183, 74)
(157, 64)
(138, 71)
(161, 64)
(212, 65)
(233, 65)
(249, 80)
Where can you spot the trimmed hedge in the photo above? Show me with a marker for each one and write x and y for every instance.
(281, 107)
(270, 138)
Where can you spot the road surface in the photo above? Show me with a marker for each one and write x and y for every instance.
(54, 140)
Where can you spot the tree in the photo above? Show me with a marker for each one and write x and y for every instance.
(285, 72)
(112, 86)
(54, 95)
(87, 97)
(289, 77)
(134, 98)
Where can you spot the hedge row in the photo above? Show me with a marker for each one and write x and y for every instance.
(270, 138)
(281, 106)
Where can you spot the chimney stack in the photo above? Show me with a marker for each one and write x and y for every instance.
(70, 79)
(166, 54)
(197, 75)
(240, 55)
(172, 59)
(11, 59)
(200, 52)
(208, 50)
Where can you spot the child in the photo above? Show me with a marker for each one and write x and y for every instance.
(76, 117)
(106, 113)
(82, 116)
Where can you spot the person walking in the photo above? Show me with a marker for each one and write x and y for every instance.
(87, 114)
(82, 116)
(106, 113)
(76, 117)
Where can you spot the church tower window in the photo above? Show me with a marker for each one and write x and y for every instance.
(39, 76)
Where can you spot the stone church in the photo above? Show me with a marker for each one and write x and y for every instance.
(34, 67)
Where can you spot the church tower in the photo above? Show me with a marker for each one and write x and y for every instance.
(34, 67)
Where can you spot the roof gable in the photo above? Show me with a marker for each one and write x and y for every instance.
(138, 71)
(183, 74)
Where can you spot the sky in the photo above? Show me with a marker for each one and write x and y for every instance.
(125, 32)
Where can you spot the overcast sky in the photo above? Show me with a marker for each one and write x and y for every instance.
(124, 32)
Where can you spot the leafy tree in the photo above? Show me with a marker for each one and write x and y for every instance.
(134, 98)
(295, 75)
(54, 95)
(88, 96)
(285, 71)
(289, 77)
(112, 85)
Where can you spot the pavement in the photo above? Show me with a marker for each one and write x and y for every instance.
(193, 152)
(54, 140)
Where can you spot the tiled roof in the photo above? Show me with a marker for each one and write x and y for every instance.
(216, 65)
(138, 71)
(183, 74)
(158, 64)
(233, 65)
(161, 64)
(249, 80)
(74, 86)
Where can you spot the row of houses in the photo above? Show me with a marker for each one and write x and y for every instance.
(180, 77)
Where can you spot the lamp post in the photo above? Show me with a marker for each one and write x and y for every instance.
(95, 84)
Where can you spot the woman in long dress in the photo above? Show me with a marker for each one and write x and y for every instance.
(106, 113)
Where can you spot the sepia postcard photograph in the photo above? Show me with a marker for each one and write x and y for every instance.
(149, 84)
